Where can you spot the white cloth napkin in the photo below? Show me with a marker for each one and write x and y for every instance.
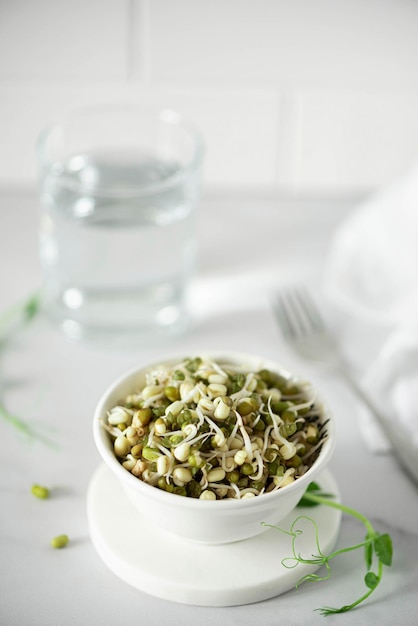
(393, 382)
(372, 274)
(373, 258)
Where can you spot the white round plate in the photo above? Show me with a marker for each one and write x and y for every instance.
(165, 566)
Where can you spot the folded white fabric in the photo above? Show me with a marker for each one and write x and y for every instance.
(392, 381)
(372, 274)
(372, 268)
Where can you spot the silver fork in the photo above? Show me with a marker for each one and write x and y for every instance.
(304, 329)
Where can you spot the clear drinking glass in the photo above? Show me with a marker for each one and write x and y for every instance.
(118, 191)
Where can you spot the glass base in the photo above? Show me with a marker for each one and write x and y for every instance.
(122, 337)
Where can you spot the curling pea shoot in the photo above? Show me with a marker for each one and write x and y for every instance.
(377, 548)
(11, 320)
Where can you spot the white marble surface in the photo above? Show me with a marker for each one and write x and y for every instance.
(247, 245)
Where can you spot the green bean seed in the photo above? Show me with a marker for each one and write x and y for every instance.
(175, 440)
(233, 476)
(294, 461)
(150, 454)
(40, 492)
(172, 393)
(280, 406)
(268, 377)
(246, 406)
(158, 411)
(60, 541)
(193, 364)
(287, 430)
(257, 484)
(273, 467)
(144, 416)
(247, 469)
(136, 450)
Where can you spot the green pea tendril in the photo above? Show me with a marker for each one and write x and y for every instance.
(19, 313)
(11, 319)
(377, 548)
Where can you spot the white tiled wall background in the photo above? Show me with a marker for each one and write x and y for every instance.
(299, 96)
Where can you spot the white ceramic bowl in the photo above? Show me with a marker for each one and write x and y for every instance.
(204, 521)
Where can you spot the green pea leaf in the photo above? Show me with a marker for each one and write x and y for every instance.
(383, 548)
(371, 580)
(374, 543)
(314, 488)
(368, 555)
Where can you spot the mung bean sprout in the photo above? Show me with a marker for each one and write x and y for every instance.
(212, 430)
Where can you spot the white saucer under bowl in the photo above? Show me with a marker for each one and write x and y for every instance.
(161, 564)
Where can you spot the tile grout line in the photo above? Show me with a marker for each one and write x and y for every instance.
(138, 66)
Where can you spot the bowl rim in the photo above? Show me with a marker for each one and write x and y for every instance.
(102, 439)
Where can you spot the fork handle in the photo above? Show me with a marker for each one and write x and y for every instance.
(403, 450)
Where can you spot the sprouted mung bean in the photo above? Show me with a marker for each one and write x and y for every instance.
(210, 430)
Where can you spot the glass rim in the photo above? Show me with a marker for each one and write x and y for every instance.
(165, 114)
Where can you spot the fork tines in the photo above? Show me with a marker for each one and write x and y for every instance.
(297, 312)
